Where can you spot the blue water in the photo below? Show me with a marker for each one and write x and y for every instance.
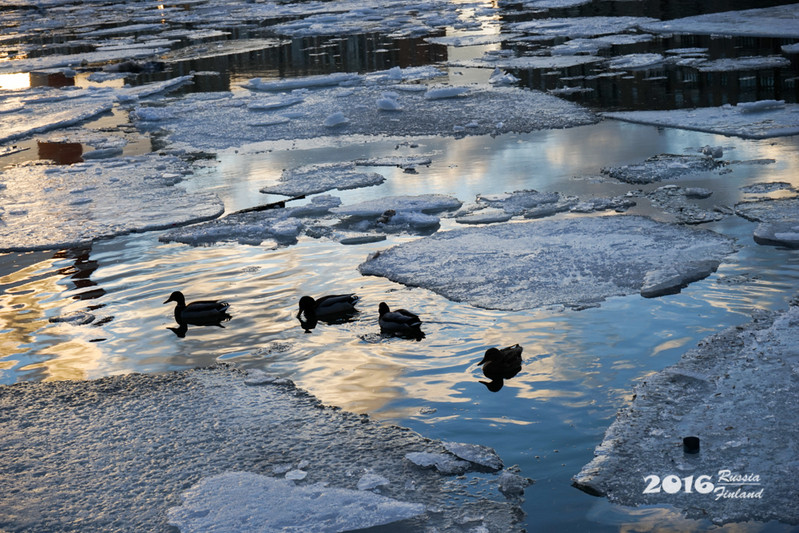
(580, 366)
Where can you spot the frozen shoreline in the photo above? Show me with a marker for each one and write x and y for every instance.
(734, 392)
(116, 454)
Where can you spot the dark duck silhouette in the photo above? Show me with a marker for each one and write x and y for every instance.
(331, 309)
(501, 364)
(200, 313)
(400, 322)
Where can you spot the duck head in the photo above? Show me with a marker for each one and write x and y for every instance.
(492, 354)
(382, 309)
(178, 297)
(307, 306)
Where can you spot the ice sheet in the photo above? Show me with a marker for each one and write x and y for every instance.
(579, 27)
(729, 392)
(574, 262)
(750, 121)
(778, 218)
(54, 206)
(778, 21)
(216, 121)
(312, 179)
(118, 453)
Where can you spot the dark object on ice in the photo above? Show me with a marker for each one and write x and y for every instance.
(136, 67)
(501, 364)
(202, 313)
(332, 308)
(401, 322)
(690, 445)
(385, 218)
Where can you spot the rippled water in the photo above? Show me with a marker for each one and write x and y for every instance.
(579, 367)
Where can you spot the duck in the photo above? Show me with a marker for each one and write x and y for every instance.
(501, 364)
(327, 306)
(204, 312)
(400, 322)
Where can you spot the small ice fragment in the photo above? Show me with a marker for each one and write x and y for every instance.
(445, 92)
(511, 484)
(336, 119)
(475, 453)
(371, 481)
(296, 475)
(444, 463)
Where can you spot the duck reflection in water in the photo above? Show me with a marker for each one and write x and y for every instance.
(501, 364)
(200, 313)
(331, 309)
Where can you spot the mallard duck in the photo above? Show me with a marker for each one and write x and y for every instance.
(205, 312)
(400, 322)
(499, 364)
(327, 306)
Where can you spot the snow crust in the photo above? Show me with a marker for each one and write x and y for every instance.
(753, 120)
(730, 392)
(50, 206)
(574, 262)
(202, 449)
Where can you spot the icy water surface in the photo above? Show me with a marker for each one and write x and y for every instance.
(579, 366)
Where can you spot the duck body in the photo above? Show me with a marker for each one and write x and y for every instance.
(327, 306)
(399, 322)
(500, 364)
(203, 312)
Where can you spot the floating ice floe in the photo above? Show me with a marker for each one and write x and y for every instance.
(579, 27)
(477, 39)
(322, 217)
(661, 167)
(575, 262)
(51, 206)
(39, 111)
(279, 226)
(729, 392)
(593, 45)
(225, 483)
(740, 63)
(778, 218)
(674, 200)
(312, 179)
(529, 62)
(778, 21)
(751, 120)
(636, 61)
(217, 121)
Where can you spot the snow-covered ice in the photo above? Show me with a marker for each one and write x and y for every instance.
(579, 27)
(751, 120)
(778, 218)
(312, 179)
(730, 391)
(53, 206)
(661, 167)
(216, 121)
(243, 501)
(575, 262)
(777, 21)
(203, 449)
